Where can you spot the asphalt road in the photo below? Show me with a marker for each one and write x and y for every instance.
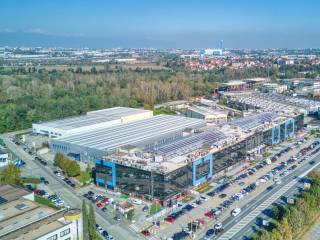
(238, 227)
(69, 196)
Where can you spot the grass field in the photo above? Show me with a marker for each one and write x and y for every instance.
(45, 202)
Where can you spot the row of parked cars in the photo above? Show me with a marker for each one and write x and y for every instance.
(68, 181)
(40, 160)
(54, 198)
(215, 212)
(101, 201)
(103, 233)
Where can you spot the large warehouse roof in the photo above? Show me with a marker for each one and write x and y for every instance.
(93, 118)
(77, 122)
(118, 112)
(150, 129)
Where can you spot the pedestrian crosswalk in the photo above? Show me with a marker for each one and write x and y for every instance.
(134, 227)
(253, 214)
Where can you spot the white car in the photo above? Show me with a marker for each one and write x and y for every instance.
(236, 212)
(203, 198)
(218, 226)
(136, 201)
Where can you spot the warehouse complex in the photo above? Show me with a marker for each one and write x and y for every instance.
(285, 105)
(159, 157)
(146, 134)
(91, 121)
(164, 171)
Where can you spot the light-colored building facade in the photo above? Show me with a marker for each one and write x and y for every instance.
(209, 115)
(22, 218)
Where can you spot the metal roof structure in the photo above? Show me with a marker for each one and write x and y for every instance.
(135, 133)
(93, 117)
(118, 112)
(253, 121)
(77, 122)
(191, 143)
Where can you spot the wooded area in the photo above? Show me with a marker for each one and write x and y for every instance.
(31, 95)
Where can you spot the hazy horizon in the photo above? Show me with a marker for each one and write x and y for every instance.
(160, 24)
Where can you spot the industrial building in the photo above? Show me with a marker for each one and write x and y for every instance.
(23, 218)
(160, 157)
(273, 88)
(208, 114)
(281, 104)
(165, 171)
(91, 121)
(146, 134)
(243, 84)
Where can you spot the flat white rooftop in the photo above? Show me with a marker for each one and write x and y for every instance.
(77, 122)
(118, 112)
(103, 117)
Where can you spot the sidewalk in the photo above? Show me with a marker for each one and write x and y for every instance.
(314, 232)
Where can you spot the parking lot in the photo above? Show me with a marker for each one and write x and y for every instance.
(201, 216)
(213, 207)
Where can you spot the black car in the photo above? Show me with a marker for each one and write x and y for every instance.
(223, 195)
(105, 233)
(269, 188)
(90, 193)
(211, 193)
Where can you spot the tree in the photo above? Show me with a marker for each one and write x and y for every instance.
(11, 175)
(85, 219)
(73, 168)
(315, 177)
(285, 229)
(92, 223)
(276, 235)
(130, 215)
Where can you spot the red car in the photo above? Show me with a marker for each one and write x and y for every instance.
(36, 191)
(201, 221)
(145, 233)
(100, 205)
(169, 219)
(209, 214)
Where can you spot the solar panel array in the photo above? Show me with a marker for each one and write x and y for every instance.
(250, 122)
(191, 143)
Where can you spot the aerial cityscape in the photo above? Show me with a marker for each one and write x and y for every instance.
(159, 120)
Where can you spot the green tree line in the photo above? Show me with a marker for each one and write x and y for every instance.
(29, 94)
(71, 167)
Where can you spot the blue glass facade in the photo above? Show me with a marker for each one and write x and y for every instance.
(275, 136)
(107, 177)
(202, 169)
(289, 129)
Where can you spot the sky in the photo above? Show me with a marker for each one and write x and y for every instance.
(161, 23)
